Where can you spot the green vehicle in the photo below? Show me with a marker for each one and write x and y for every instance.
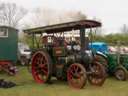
(116, 62)
(54, 56)
(8, 49)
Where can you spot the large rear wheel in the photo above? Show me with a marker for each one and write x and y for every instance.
(98, 74)
(76, 76)
(41, 67)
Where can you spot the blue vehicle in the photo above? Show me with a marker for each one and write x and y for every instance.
(99, 47)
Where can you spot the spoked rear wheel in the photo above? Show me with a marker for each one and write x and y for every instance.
(76, 76)
(41, 67)
(98, 74)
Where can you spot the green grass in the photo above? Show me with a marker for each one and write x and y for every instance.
(27, 87)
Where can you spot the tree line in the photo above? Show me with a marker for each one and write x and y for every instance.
(112, 39)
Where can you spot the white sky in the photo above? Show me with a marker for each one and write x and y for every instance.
(112, 13)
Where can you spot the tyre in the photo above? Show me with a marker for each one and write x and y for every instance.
(121, 74)
(41, 67)
(76, 76)
(98, 74)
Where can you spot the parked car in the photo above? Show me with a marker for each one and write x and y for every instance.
(24, 53)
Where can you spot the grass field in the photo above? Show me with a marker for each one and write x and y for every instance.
(27, 87)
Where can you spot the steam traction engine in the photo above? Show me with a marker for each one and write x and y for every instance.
(66, 60)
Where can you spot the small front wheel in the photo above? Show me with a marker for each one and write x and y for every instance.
(121, 74)
(76, 75)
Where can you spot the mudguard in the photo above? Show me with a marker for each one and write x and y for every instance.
(102, 54)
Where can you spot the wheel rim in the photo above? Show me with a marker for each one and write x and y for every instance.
(98, 74)
(76, 76)
(40, 70)
(120, 74)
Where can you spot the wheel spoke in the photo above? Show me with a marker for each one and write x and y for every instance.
(71, 72)
(45, 72)
(74, 67)
(77, 68)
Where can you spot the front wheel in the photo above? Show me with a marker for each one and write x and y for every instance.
(76, 76)
(98, 74)
(121, 74)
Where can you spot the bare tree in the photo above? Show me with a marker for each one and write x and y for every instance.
(11, 14)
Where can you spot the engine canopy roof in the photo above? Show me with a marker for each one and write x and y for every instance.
(63, 27)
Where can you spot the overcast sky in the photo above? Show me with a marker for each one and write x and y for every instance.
(112, 13)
